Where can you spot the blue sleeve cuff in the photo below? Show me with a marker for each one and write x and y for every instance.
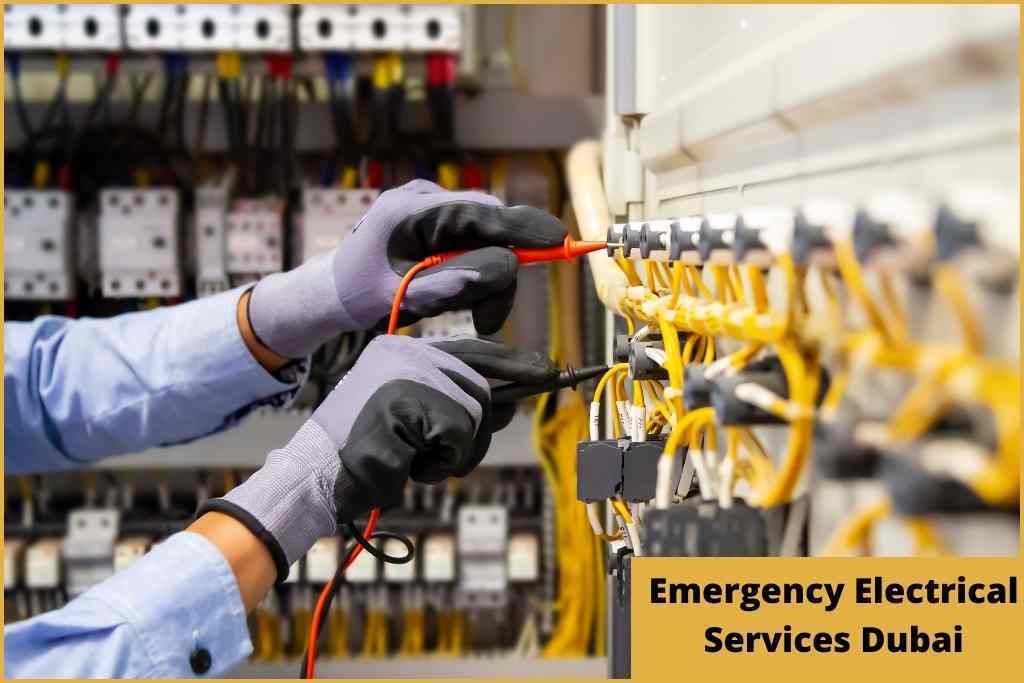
(222, 372)
(180, 598)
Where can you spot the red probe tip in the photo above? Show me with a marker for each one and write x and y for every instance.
(574, 248)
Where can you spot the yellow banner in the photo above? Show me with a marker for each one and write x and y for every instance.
(827, 620)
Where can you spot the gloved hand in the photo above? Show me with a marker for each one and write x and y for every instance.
(352, 287)
(410, 409)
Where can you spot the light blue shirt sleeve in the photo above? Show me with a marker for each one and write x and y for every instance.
(79, 390)
(144, 622)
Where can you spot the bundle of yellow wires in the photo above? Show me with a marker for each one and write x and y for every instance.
(557, 428)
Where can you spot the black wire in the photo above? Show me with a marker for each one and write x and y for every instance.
(181, 99)
(166, 100)
(55, 105)
(21, 109)
(204, 111)
(380, 555)
(139, 86)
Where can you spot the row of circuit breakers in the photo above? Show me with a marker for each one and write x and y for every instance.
(137, 229)
(221, 27)
(481, 554)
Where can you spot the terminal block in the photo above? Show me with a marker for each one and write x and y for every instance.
(417, 28)
(673, 239)
(209, 27)
(705, 529)
(38, 245)
(731, 410)
(82, 27)
(139, 252)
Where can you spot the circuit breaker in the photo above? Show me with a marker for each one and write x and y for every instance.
(482, 539)
(329, 215)
(210, 239)
(254, 232)
(62, 27)
(88, 548)
(418, 28)
(38, 245)
(209, 27)
(139, 253)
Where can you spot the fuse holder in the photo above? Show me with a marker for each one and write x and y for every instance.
(640, 470)
(598, 469)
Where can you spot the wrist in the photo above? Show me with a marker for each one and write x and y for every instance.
(249, 559)
(295, 312)
(265, 356)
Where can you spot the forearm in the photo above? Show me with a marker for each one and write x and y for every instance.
(80, 390)
(166, 616)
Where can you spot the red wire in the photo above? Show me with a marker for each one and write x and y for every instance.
(314, 627)
(569, 250)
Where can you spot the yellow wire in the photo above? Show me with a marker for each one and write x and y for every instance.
(949, 285)
(854, 534)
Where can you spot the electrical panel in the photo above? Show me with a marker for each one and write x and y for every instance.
(254, 236)
(139, 251)
(417, 28)
(329, 215)
(39, 262)
(209, 27)
(62, 27)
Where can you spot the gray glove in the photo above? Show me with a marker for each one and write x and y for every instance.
(352, 287)
(409, 409)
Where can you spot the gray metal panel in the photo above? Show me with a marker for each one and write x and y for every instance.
(431, 667)
(619, 655)
(247, 445)
(624, 48)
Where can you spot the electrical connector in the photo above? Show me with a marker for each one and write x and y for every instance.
(599, 469)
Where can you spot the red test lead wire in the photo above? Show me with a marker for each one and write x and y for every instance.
(569, 250)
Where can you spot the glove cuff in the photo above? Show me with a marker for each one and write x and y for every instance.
(290, 499)
(243, 517)
(295, 312)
